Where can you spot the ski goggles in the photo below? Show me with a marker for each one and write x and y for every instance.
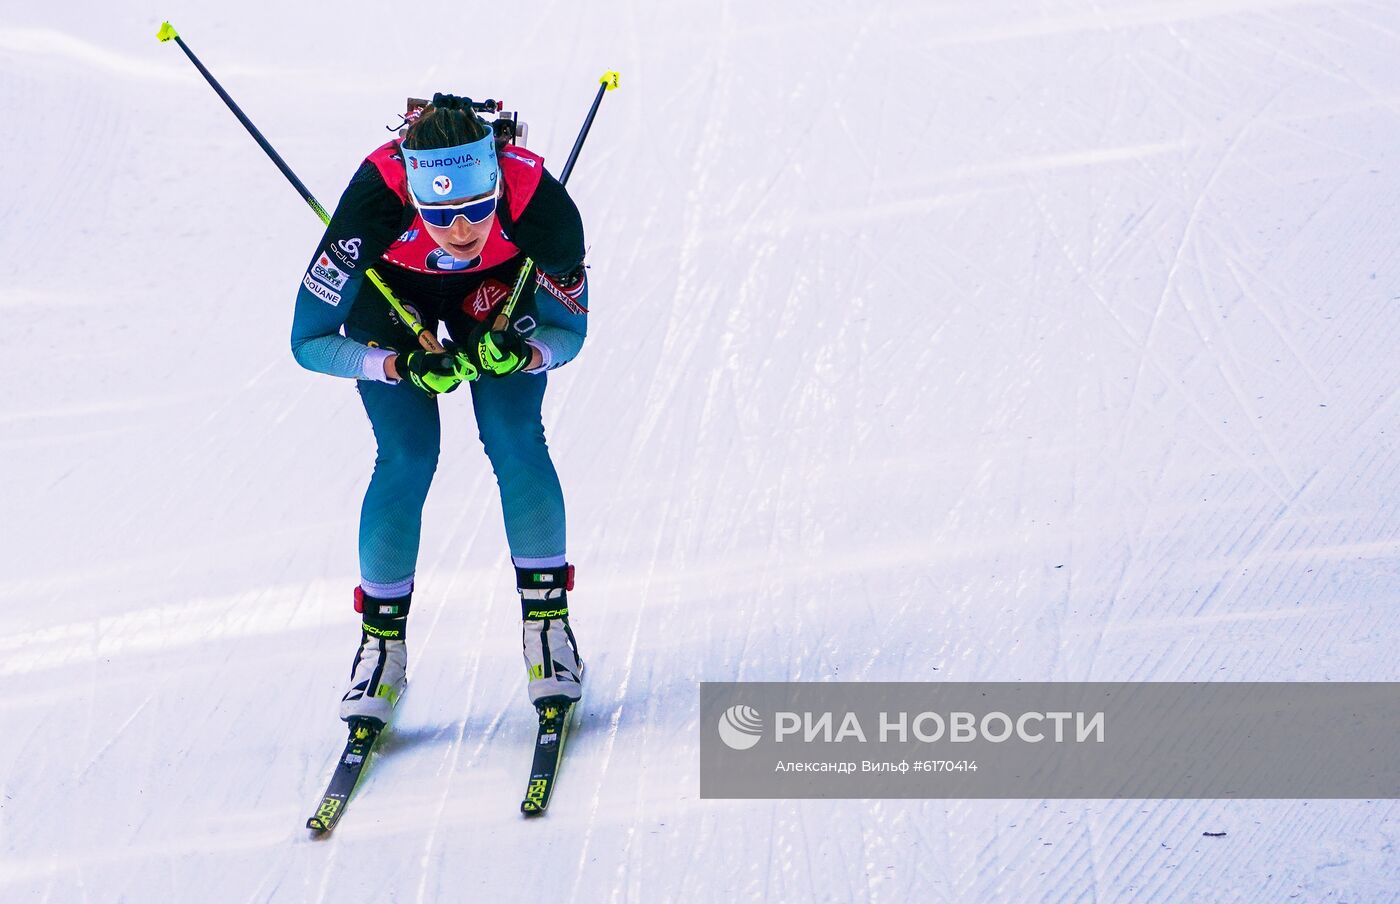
(444, 215)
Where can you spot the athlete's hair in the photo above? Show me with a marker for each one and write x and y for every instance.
(445, 123)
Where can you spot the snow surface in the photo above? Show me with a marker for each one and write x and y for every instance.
(1038, 340)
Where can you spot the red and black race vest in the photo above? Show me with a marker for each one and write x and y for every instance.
(415, 250)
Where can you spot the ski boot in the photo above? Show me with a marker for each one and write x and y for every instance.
(551, 654)
(378, 674)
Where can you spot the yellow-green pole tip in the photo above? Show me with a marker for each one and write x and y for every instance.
(610, 79)
(167, 31)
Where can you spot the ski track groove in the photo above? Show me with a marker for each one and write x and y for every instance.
(1169, 283)
(1336, 70)
(1301, 360)
(1281, 522)
(615, 721)
(1204, 337)
(446, 776)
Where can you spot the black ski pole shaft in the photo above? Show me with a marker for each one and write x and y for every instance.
(167, 33)
(427, 338)
(608, 82)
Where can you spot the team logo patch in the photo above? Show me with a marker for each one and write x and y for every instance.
(327, 272)
(441, 260)
(487, 296)
(325, 293)
(351, 247)
(442, 185)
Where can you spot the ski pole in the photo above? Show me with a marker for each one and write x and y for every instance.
(608, 82)
(426, 338)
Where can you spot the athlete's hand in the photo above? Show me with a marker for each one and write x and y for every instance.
(436, 372)
(496, 352)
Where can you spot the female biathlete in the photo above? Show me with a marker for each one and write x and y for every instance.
(445, 216)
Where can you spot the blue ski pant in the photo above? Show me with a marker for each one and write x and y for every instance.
(408, 431)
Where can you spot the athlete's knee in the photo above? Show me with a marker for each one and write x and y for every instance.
(513, 439)
(408, 459)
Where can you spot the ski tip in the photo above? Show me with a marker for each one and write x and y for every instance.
(530, 808)
(316, 825)
(167, 31)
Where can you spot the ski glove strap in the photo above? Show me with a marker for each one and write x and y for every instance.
(437, 372)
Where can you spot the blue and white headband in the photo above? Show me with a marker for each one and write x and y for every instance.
(445, 174)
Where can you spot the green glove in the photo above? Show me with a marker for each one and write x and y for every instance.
(496, 352)
(436, 372)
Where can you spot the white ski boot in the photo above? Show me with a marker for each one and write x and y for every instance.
(378, 675)
(552, 662)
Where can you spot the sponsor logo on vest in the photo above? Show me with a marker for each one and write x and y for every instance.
(441, 260)
(322, 292)
(525, 160)
(408, 236)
